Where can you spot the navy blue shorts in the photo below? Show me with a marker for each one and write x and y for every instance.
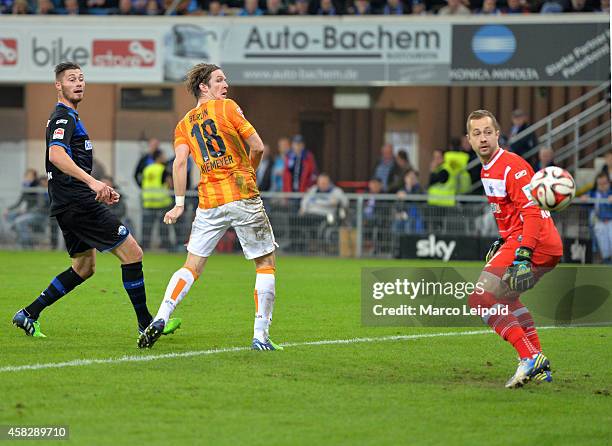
(91, 225)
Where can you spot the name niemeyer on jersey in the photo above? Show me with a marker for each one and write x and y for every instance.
(506, 181)
(65, 129)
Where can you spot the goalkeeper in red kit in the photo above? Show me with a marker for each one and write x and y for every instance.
(529, 246)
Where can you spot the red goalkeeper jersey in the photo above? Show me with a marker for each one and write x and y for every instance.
(506, 183)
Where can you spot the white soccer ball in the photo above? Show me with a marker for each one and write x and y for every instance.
(553, 188)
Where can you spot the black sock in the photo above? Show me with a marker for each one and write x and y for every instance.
(60, 286)
(133, 282)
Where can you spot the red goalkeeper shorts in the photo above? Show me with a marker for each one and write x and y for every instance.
(542, 263)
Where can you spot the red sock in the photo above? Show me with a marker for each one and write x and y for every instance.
(507, 326)
(516, 336)
(524, 318)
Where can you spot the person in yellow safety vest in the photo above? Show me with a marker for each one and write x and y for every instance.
(442, 184)
(457, 162)
(156, 200)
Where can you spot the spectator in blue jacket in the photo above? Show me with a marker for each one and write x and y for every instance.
(601, 216)
(408, 217)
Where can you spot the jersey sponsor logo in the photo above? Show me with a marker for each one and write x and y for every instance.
(61, 121)
(494, 188)
(58, 134)
(8, 52)
(521, 174)
(122, 230)
(527, 191)
(88, 145)
(123, 53)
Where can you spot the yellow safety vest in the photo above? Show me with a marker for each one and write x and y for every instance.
(456, 163)
(154, 192)
(443, 194)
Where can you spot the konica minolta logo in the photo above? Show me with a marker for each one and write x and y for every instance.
(494, 44)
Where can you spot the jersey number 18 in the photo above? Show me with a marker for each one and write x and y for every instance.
(205, 134)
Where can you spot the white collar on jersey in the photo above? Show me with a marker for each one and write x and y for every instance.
(488, 166)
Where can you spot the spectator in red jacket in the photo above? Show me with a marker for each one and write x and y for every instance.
(300, 167)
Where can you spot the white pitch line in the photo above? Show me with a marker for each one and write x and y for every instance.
(386, 338)
(145, 358)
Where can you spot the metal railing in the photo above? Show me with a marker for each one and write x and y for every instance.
(548, 121)
(570, 128)
(370, 226)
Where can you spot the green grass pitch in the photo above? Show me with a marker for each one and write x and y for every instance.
(426, 391)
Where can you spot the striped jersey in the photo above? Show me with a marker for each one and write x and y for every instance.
(506, 181)
(215, 133)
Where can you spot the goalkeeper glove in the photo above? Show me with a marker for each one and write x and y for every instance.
(519, 276)
(493, 249)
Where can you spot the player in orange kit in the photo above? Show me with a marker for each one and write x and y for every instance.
(529, 246)
(216, 134)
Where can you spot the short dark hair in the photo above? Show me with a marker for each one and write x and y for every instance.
(158, 154)
(479, 114)
(602, 175)
(61, 67)
(200, 74)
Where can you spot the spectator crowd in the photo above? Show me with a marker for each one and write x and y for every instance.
(251, 8)
(323, 208)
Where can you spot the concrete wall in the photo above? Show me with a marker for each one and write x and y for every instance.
(346, 142)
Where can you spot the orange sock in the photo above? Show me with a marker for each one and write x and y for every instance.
(179, 285)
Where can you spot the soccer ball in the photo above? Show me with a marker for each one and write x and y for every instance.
(552, 188)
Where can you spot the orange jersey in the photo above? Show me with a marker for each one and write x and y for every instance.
(215, 132)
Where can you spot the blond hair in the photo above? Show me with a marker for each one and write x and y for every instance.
(479, 114)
